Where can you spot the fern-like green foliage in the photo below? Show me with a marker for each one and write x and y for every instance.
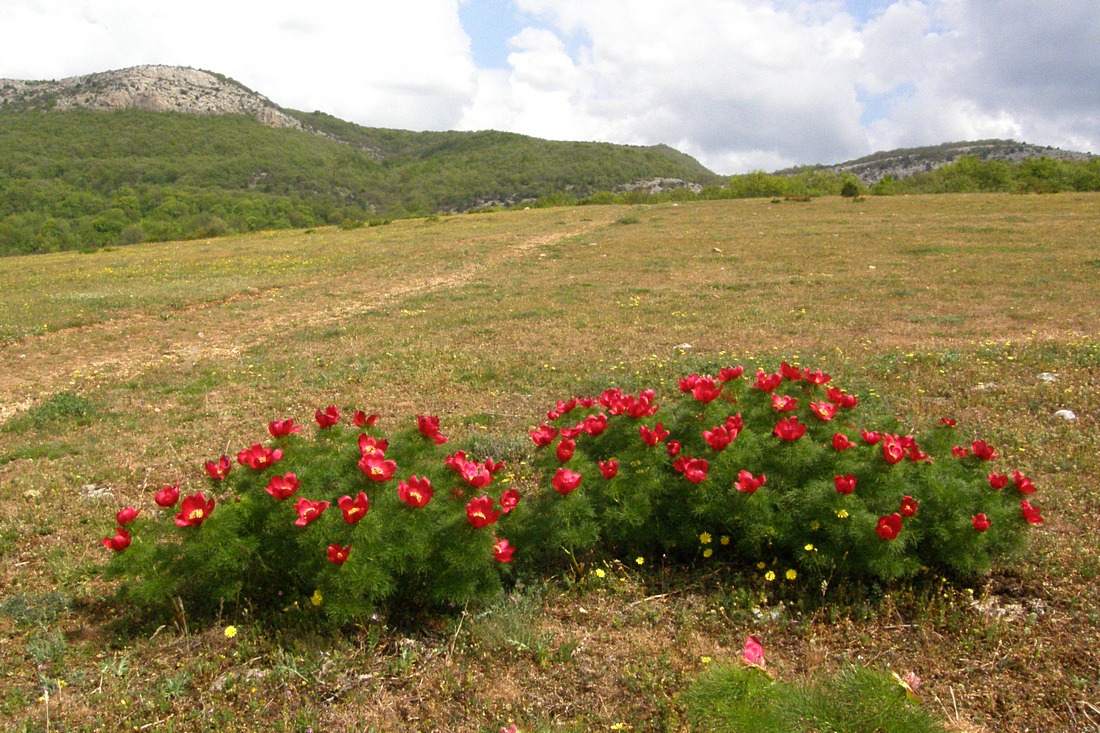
(251, 551)
(932, 486)
(744, 699)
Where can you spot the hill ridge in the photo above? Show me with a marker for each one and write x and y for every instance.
(150, 88)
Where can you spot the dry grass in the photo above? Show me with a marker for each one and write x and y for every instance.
(168, 354)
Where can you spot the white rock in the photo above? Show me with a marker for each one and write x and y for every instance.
(682, 347)
(1066, 414)
(1048, 377)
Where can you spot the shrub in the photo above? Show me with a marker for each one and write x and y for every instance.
(326, 519)
(776, 472)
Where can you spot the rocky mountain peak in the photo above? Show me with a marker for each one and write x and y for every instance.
(152, 88)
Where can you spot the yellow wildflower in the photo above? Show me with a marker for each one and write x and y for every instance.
(791, 574)
(761, 565)
(708, 552)
(704, 660)
(705, 538)
(810, 548)
(316, 598)
(843, 513)
(230, 632)
(769, 576)
(600, 573)
(640, 560)
(724, 540)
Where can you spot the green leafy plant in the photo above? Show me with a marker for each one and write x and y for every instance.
(362, 541)
(779, 472)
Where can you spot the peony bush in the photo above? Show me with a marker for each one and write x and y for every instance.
(776, 471)
(352, 520)
(771, 470)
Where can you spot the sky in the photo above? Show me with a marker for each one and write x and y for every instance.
(740, 85)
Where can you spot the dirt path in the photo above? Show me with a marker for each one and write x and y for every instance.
(118, 350)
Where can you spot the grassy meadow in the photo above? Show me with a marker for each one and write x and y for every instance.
(122, 370)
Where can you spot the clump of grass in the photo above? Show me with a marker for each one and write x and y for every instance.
(62, 409)
(744, 699)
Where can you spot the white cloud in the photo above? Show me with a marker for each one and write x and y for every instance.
(740, 84)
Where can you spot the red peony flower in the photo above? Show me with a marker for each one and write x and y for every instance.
(653, 436)
(119, 542)
(840, 398)
(354, 509)
(416, 492)
(194, 510)
(734, 424)
(544, 435)
(1023, 483)
(565, 481)
(492, 466)
(748, 483)
(892, 449)
(983, 450)
(889, 526)
(1031, 513)
(480, 512)
(870, 437)
(980, 521)
(609, 468)
(308, 510)
(329, 417)
(695, 470)
(571, 433)
(282, 487)
(361, 419)
(168, 496)
(816, 376)
(767, 382)
(595, 424)
(753, 653)
(673, 448)
(959, 452)
(126, 515)
(565, 449)
(908, 506)
(845, 484)
(502, 550)
(706, 390)
(718, 438)
(372, 446)
(792, 373)
(950, 422)
(997, 480)
(455, 461)
(686, 384)
(784, 403)
(257, 457)
(509, 500)
(377, 467)
(429, 428)
(842, 442)
(337, 554)
(823, 410)
(789, 429)
(476, 475)
(217, 471)
(283, 428)
(728, 374)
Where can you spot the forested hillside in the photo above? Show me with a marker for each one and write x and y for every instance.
(82, 179)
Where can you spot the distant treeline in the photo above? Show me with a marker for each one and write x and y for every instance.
(85, 180)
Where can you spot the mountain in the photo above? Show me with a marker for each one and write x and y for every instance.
(906, 162)
(163, 152)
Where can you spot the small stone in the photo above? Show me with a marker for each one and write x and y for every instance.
(1066, 414)
(1048, 377)
(682, 347)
